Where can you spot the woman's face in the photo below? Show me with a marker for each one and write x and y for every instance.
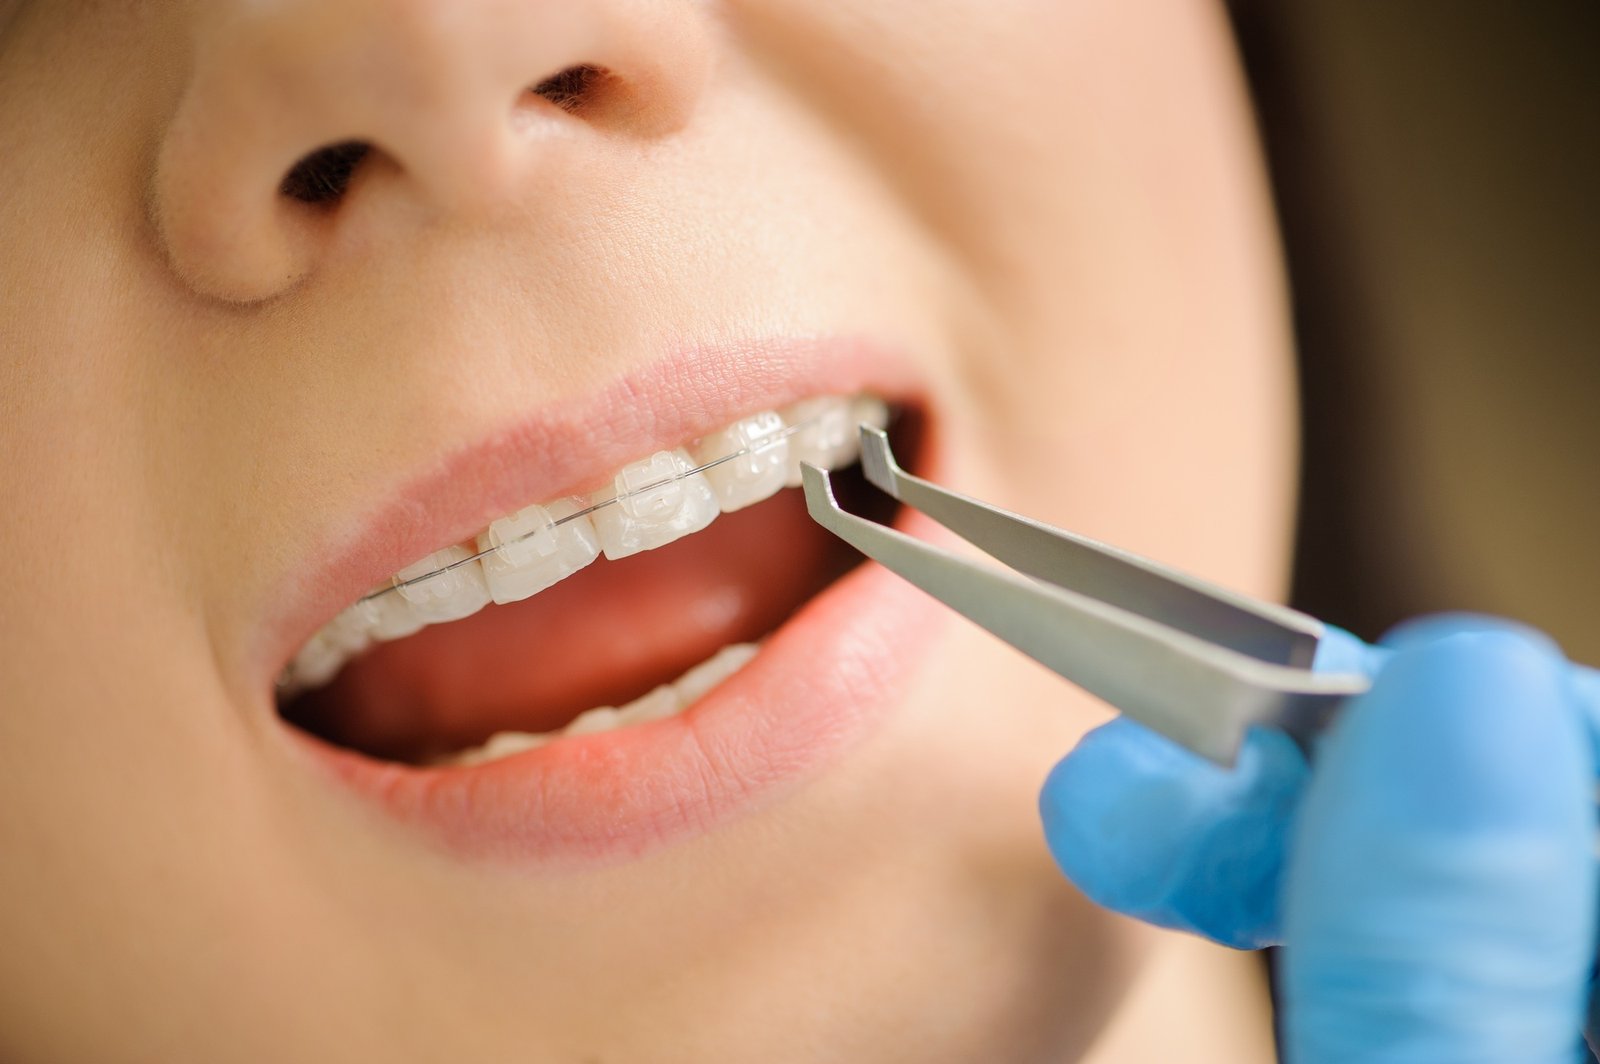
(244, 384)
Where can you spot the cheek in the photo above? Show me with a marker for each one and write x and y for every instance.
(1121, 372)
(1087, 177)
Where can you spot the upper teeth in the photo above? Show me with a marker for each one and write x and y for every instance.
(650, 503)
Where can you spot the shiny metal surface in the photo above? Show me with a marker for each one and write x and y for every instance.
(1195, 662)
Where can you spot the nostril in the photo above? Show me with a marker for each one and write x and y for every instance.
(321, 177)
(572, 88)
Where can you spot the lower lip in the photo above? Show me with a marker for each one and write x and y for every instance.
(819, 685)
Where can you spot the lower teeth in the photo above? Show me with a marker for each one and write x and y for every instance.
(664, 701)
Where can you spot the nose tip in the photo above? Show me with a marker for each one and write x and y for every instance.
(297, 109)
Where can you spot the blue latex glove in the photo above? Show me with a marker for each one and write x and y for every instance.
(1432, 877)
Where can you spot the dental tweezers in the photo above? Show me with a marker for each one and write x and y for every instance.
(1192, 661)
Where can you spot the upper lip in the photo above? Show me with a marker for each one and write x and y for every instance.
(561, 449)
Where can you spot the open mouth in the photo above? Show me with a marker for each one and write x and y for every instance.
(595, 613)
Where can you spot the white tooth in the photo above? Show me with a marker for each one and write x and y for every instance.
(316, 663)
(827, 435)
(351, 630)
(337, 642)
(447, 596)
(693, 685)
(869, 410)
(501, 744)
(532, 552)
(662, 702)
(595, 720)
(660, 506)
(391, 617)
(753, 476)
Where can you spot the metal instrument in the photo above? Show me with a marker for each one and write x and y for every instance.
(1195, 662)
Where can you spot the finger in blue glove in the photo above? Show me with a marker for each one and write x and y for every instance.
(1146, 828)
(1440, 897)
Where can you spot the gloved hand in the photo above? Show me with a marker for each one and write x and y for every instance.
(1431, 876)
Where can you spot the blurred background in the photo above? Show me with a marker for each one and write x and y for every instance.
(1437, 170)
(1437, 167)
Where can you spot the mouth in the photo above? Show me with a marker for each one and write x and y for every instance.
(588, 612)
(601, 670)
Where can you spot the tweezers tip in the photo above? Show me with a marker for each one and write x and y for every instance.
(819, 492)
(877, 461)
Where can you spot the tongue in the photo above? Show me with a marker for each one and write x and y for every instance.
(600, 637)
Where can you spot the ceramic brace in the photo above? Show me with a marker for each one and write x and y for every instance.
(757, 447)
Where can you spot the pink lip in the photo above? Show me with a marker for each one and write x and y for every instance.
(832, 670)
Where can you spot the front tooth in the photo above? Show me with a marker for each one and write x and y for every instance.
(826, 434)
(501, 744)
(658, 704)
(595, 720)
(531, 551)
(654, 504)
(445, 596)
(693, 685)
(757, 474)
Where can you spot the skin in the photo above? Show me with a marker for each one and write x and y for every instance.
(1056, 208)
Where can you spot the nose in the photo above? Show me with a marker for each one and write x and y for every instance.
(298, 113)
